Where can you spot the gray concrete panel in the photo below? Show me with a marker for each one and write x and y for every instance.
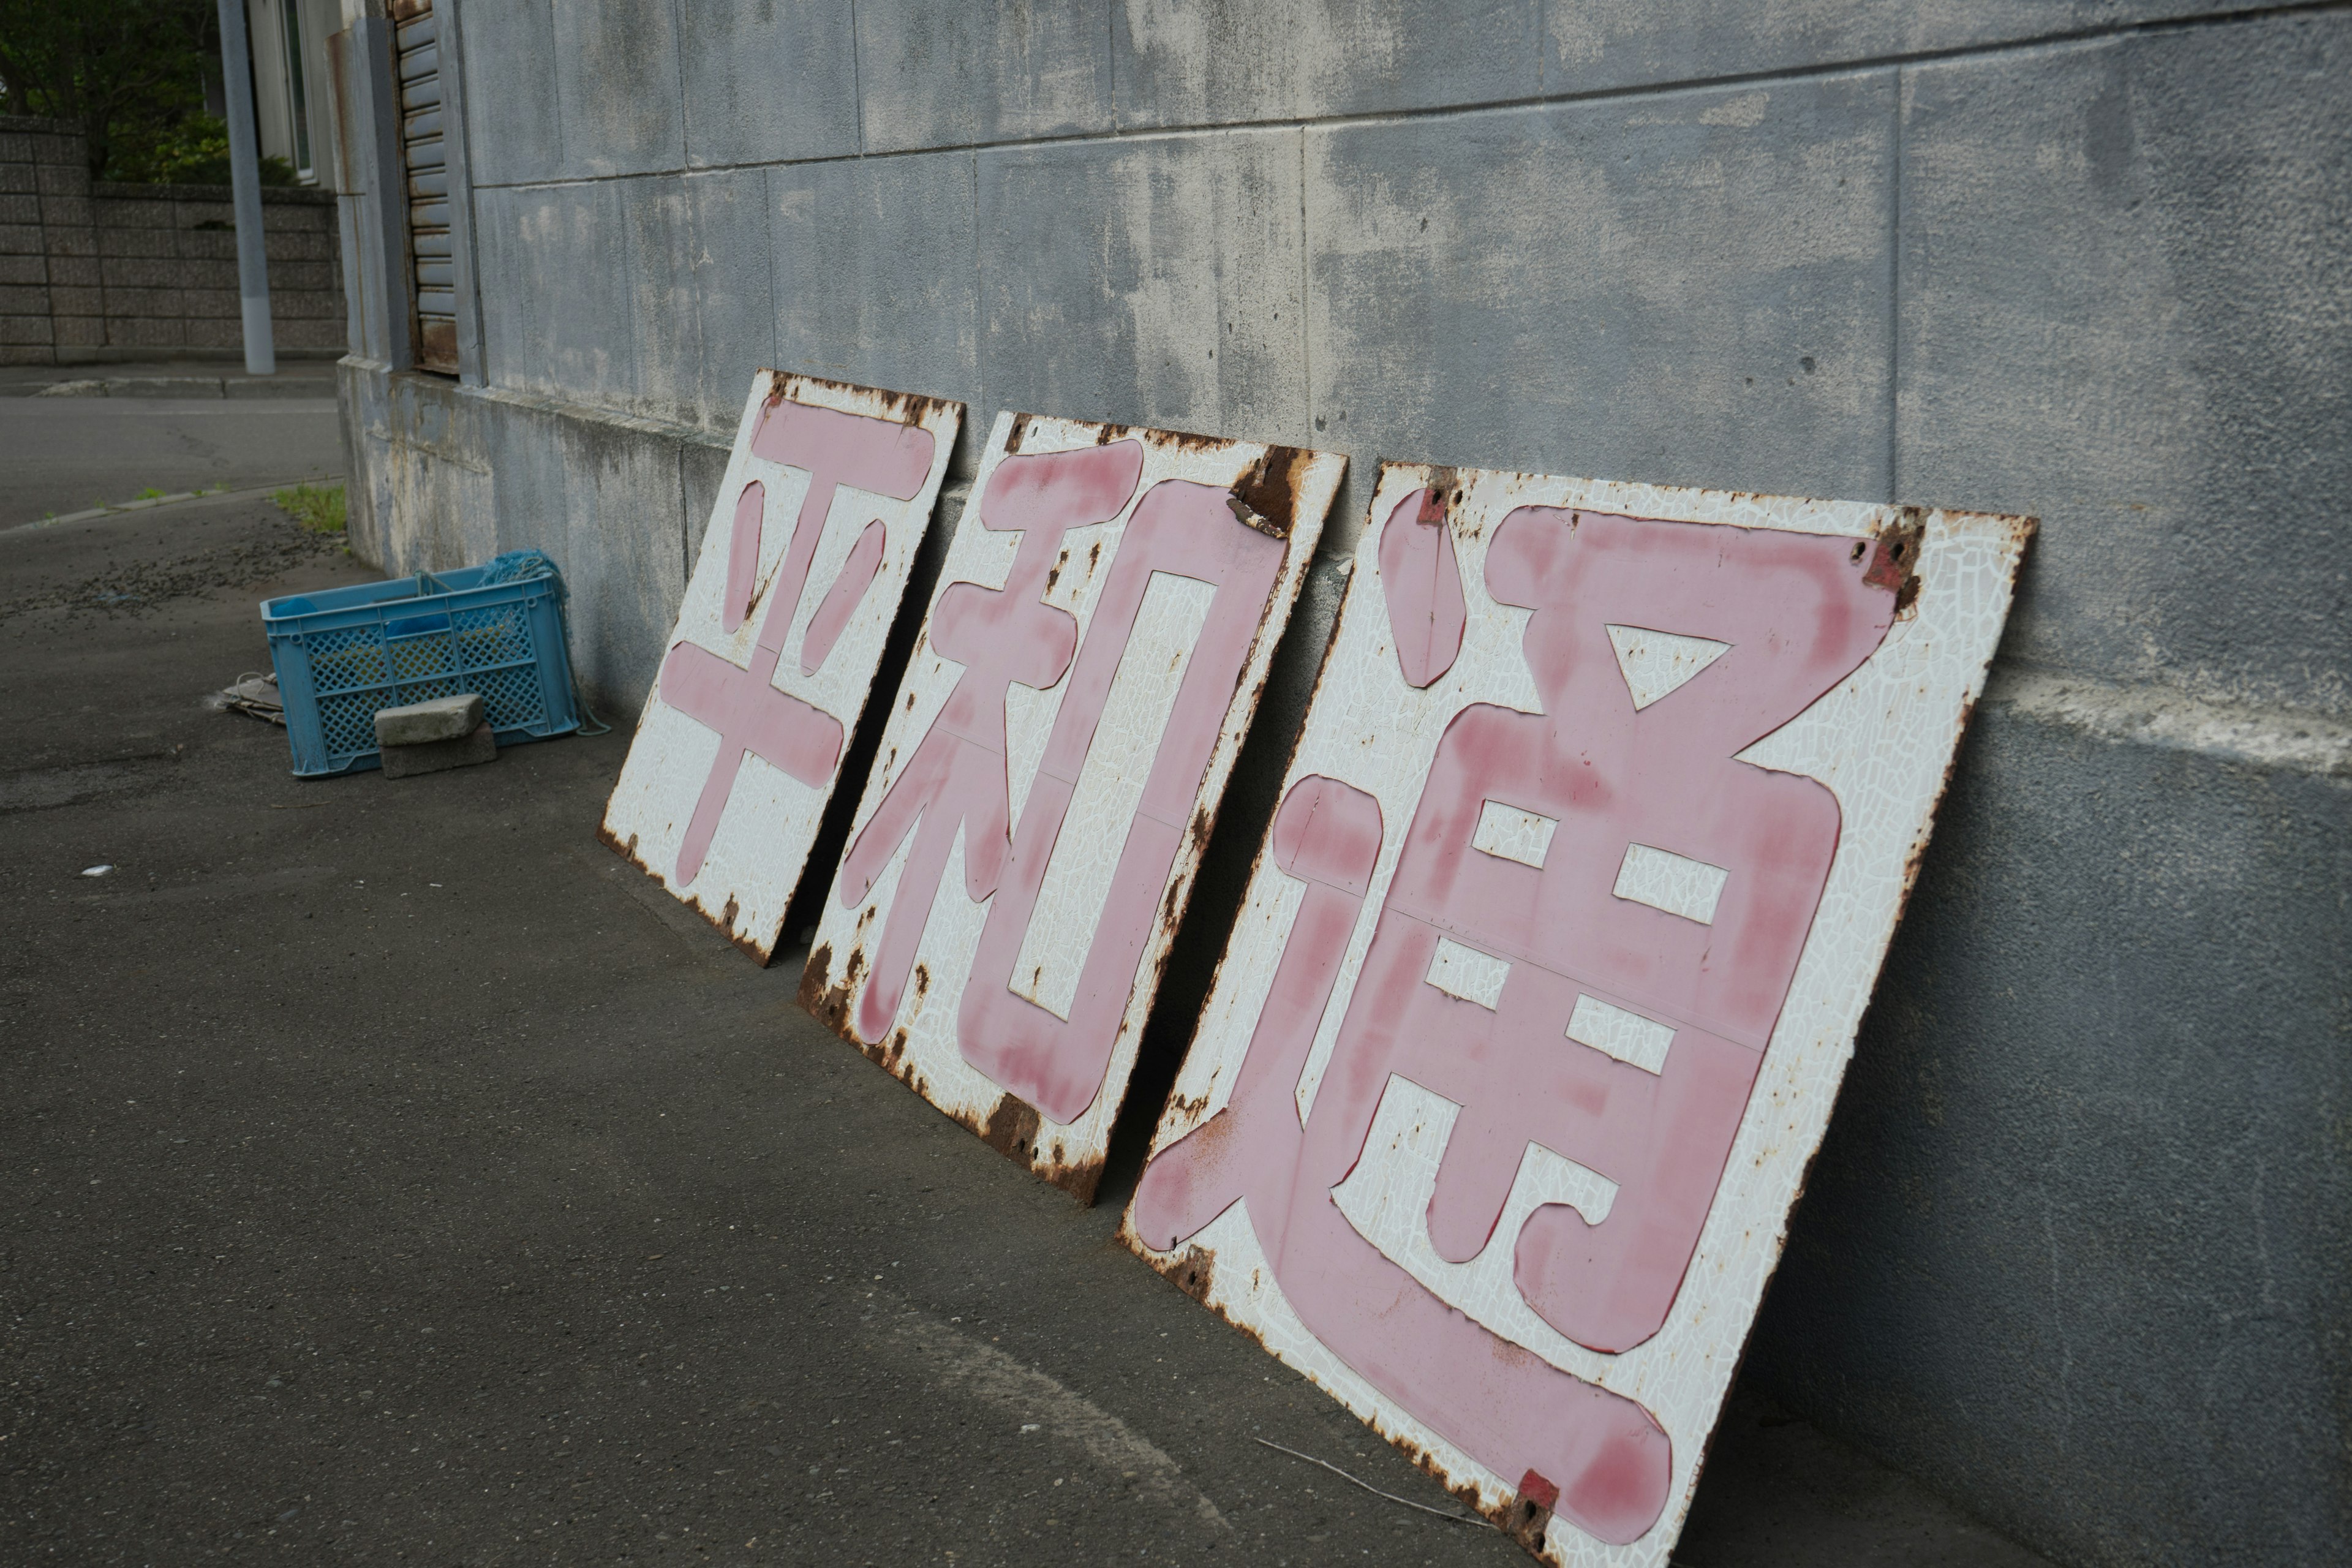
(556, 310)
(767, 81)
(616, 76)
(945, 73)
(2075, 1248)
(602, 498)
(700, 318)
(1595, 45)
(2124, 284)
(874, 278)
(1179, 63)
(702, 468)
(513, 131)
(1691, 288)
(1154, 281)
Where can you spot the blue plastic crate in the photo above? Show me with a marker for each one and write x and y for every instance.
(346, 653)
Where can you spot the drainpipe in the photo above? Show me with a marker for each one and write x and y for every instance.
(245, 180)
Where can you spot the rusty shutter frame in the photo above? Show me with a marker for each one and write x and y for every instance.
(423, 161)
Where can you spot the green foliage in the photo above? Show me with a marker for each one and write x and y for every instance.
(193, 150)
(319, 508)
(128, 72)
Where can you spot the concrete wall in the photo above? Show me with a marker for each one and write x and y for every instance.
(2074, 1252)
(92, 271)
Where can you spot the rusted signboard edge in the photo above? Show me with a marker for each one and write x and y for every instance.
(881, 403)
(1899, 531)
(1278, 494)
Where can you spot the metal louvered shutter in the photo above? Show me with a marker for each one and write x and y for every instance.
(432, 277)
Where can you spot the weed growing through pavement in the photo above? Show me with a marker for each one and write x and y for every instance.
(319, 508)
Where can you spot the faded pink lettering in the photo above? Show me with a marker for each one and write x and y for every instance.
(841, 600)
(1188, 529)
(956, 780)
(1800, 614)
(753, 717)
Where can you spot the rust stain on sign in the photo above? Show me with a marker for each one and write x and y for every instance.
(1090, 662)
(826, 498)
(1605, 807)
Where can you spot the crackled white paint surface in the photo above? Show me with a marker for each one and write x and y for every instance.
(1880, 741)
(1110, 787)
(1466, 973)
(1655, 663)
(1675, 883)
(1063, 925)
(1623, 1034)
(1514, 834)
(760, 847)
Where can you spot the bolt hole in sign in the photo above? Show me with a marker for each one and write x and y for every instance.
(1052, 769)
(1605, 806)
(826, 498)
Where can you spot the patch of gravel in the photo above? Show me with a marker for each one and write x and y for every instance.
(270, 548)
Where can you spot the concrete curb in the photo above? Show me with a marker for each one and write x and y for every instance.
(187, 386)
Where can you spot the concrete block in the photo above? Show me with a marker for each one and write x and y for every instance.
(132, 212)
(1602, 43)
(62, 180)
(15, 147)
(79, 331)
(2073, 1248)
(125, 330)
(21, 239)
(617, 86)
(25, 299)
(305, 304)
(2113, 265)
(439, 757)
(67, 211)
(555, 309)
(509, 54)
(14, 210)
(215, 332)
(296, 276)
(213, 245)
(443, 718)
(144, 272)
(19, 329)
(943, 73)
(765, 82)
(1687, 289)
(288, 245)
(147, 304)
(699, 319)
(324, 332)
(74, 271)
(1181, 64)
(22, 269)
(70, 241)
(67, 301)
(873, 277)
(132, 244)
(1154, 281)
(59, 151)
(18, 178)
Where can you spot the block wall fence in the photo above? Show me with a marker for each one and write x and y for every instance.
(92, 270)
(2075, 1251)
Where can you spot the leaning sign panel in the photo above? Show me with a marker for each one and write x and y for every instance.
(1603, 814)
(1053, 766)
(824, 503)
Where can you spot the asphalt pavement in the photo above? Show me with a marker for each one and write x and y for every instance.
(64, 455)
(390, 1174)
